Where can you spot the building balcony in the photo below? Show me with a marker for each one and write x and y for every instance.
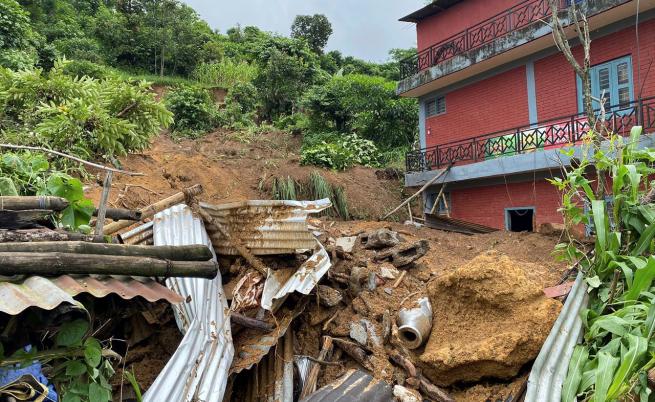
(550, 134)
(516, 33)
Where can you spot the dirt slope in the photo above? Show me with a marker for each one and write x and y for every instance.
(236, 166)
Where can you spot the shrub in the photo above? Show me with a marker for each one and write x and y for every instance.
(341, 154)
(194, 111)
(85, 68)
(225, 74)
(83, 116)
(365, 105)
(14, 26)
(18, 59)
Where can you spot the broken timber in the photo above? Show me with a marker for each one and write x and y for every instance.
(17, 203)
(44, 235)
(151, 210)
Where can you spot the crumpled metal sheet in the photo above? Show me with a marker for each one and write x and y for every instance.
(48, 293)
(251, 346)
(265, 227)
(282, 282)
(198, 370)
(354, 386)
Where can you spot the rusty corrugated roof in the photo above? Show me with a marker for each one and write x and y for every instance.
(48, 293)
(265, 227)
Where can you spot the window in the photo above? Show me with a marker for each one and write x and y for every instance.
(612, 79)
(435, 106)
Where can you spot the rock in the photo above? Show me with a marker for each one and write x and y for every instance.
(358, 333)
(388, 271)
(405, 394)
(372, 334)
(491, 321)
(329, 297)
(382, 238)
(346, 243)
(405, 254)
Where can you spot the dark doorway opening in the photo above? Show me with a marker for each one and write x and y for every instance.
(520, 220)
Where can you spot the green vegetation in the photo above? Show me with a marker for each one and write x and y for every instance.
(613, 362)
(341, 153)
(316, 188)
(112, 47)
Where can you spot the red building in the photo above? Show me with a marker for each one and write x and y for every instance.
(497, 100)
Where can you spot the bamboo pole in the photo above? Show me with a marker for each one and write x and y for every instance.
(426, 185)
(76, 159)
(16, 203)
(120, 214)
(41, 235)
(23, 219)
(54, 264)
(436, 201)
(152, 209)
(173, 253)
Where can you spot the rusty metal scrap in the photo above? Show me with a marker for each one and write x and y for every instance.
(265, 227)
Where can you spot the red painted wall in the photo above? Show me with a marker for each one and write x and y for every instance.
(457, 18)
(555, 80)
(486, 106)
(486, 205)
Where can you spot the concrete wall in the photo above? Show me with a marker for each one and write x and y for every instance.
(457, 18)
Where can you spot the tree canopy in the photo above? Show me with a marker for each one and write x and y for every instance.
(315, 29)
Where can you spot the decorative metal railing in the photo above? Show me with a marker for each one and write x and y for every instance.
(517, 17)
(548, 134)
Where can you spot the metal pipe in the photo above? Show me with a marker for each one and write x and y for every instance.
(415, 324)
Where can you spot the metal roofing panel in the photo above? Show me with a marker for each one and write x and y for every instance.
(354, 386)
(281, 282)
(550, 368)
(198, 369)
(266, 227)
(48, 293)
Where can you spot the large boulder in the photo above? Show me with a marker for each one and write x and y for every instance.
(489, 320)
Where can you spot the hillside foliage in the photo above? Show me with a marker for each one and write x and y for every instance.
(70, 68)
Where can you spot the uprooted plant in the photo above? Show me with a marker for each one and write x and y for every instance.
(617, 352)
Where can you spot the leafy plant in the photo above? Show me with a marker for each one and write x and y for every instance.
(79, 115)
(284, 188)
(613, 362)
(193, 109)
(225, 74)
(30, 174)
(341, 154)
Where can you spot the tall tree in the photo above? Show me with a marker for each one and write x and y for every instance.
(315, 29)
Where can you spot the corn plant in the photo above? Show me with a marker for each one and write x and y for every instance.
(618, 349)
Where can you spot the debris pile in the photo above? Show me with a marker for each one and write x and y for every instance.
(490, 321)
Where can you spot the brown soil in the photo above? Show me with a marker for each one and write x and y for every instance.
(449, 254)
(237, 166)
(489, 320)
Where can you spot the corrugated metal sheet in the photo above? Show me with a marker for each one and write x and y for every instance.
(198, 369)
(435, 221)
(282, 282)
(139, 235)
(266, 227)
(48, 293)
(550, 368)
(354, 386)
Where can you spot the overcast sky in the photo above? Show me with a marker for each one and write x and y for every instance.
(366, 29)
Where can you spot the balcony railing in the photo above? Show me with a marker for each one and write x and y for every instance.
(548, 134)
(515, 18)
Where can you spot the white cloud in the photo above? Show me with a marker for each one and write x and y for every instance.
(366, 29)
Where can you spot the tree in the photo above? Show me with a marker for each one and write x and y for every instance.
(315, 29)
(578, 18)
